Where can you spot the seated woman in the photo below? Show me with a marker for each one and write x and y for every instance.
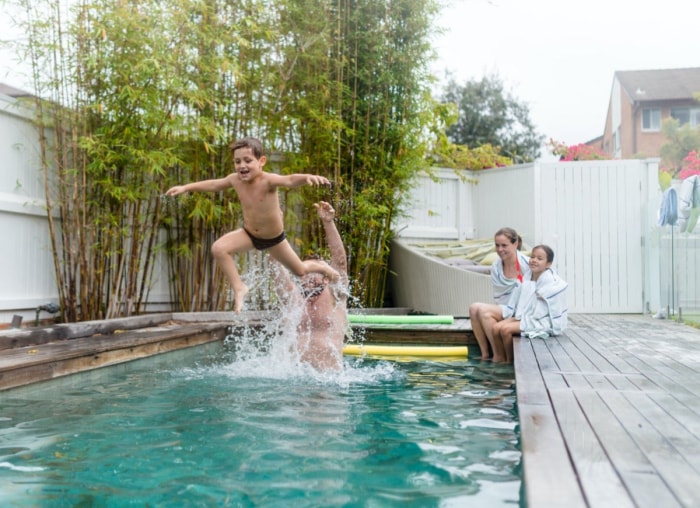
(537, 309)
(507, 273)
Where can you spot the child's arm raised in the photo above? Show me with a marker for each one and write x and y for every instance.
(202, 186)
(297, 180)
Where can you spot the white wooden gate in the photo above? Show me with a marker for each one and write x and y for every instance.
(592, 214)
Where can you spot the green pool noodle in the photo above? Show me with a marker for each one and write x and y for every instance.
(400, 319)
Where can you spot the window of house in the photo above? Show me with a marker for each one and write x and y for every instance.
(651, 119)
(686, 115)
(616, 141)
(695, 117)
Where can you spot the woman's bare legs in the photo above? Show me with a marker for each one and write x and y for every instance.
(483, 316)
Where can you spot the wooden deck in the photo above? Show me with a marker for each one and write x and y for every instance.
(610, 414)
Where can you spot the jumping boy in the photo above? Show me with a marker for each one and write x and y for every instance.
(263, 227)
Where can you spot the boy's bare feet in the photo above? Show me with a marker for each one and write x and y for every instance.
(332, 275)
(322, 268)
(240, 294)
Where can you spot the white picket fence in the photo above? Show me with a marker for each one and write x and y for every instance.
(598, 216)
(26, 262)
(25, 251)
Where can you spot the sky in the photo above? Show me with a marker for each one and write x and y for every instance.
(556, 56)
(559, 56)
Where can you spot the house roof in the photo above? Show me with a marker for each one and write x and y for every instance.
(13, 92)
(660, 84)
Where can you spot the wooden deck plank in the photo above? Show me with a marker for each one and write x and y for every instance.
(600, 482)
(548, 365)
(689, 417)
(624, 392)
(645, 487)
(600, 357)
(681, 478)
(29, 364)
(685, 443)
(528, 377)
(547, 482)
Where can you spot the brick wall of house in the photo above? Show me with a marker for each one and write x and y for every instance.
(649, 143)
(627, 131)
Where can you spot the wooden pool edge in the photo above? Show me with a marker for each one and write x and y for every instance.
(32, 355)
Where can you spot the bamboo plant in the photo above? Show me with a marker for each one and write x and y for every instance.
(136, 96)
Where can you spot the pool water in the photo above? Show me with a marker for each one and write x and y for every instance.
(203, 428)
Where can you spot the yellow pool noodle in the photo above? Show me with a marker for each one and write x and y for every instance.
(417, 351)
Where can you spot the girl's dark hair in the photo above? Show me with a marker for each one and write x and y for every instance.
(254, 144)
(512, 235)
(547, 250)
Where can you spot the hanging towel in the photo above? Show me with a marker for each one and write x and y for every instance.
(668, 213)
(688, 198)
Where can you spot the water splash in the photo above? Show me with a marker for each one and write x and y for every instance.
(271, 351)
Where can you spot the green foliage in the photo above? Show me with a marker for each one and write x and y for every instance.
(463, 157)
(444, 153)
(681, 140)
(143, 95)
(489, 114)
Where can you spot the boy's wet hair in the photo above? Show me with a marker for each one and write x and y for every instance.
(549, 252)
(254, 144)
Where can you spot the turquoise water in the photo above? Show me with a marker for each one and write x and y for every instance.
(206, 429)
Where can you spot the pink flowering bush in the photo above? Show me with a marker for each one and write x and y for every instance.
(580, 152)
(690, 165)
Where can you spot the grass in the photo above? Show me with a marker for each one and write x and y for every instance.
(692, 319)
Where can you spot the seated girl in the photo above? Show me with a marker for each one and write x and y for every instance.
(537, 309)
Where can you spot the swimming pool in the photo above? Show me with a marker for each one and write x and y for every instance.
(216, 428)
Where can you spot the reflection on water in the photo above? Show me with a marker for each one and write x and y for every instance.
(258, 429)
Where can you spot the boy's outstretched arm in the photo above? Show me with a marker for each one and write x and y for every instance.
(201, 186)
(298, 180)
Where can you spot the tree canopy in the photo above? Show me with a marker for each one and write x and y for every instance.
(488, 114)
